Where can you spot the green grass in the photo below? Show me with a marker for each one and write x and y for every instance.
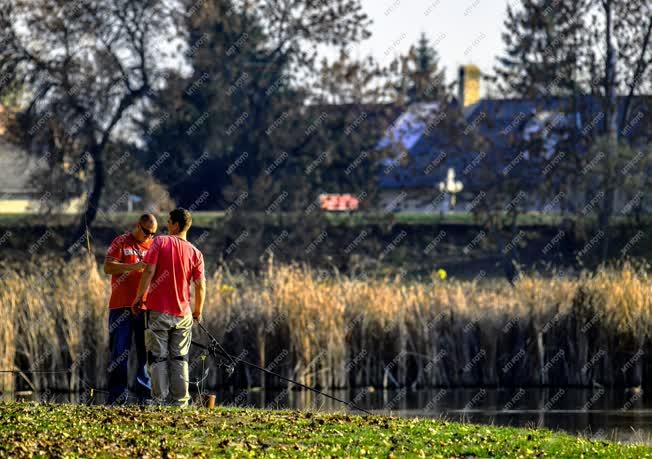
(89, 431)
(211, 218)
(214, 219)
(117, 219)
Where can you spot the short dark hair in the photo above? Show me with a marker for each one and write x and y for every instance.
(182, 217)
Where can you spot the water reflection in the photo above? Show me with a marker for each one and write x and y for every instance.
(613, 414)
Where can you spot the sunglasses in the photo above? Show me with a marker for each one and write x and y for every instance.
(147, 232)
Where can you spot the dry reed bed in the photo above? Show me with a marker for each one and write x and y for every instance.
(339, 331)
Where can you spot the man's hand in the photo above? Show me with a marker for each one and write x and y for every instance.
(196, 316)
(114, 267)
(145, 280)
(137, 306)
(140, 266)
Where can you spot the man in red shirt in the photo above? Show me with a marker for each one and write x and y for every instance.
(172, 264)
(124, 262)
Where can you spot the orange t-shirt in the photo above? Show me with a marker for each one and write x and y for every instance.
(126, 249)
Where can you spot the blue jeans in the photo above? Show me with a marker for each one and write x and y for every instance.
(122, 323)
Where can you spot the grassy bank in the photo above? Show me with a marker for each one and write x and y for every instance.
(211, 218)
(341, 331)
(72, 430)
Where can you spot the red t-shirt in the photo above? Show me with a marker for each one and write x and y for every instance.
(178, 262)
(126, 249)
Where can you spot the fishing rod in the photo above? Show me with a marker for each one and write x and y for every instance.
(215, 348)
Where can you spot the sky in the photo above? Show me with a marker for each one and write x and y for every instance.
(463, 31)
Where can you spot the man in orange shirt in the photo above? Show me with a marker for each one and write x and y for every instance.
(124, 262)
(172, 265)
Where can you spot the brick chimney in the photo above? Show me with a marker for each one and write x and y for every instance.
(468, 85)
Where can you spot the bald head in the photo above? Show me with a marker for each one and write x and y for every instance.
(146, 227)
(147, 219)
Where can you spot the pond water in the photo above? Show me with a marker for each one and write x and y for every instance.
(613, 414)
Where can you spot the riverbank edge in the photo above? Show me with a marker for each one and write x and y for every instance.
(30, 429)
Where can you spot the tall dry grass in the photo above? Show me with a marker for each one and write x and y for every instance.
(8, 304)
(339, 331)
(57, 315)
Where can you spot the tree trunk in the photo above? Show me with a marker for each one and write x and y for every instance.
(641, 67)
(611, 125)
(78, 237)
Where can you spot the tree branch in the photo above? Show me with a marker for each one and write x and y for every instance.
(641, 67)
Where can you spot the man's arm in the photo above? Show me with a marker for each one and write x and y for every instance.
(145, 280)
(113, 267)
(200, 296)
(113, 264)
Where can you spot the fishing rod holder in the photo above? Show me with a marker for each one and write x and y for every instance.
(215, 352)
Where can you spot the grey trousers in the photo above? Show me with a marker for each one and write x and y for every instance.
(167, 340)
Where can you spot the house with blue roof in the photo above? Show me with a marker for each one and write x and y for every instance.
(440, 157)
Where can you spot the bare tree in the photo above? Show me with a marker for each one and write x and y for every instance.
(627, 33)
(83, 65)
(595, 48)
